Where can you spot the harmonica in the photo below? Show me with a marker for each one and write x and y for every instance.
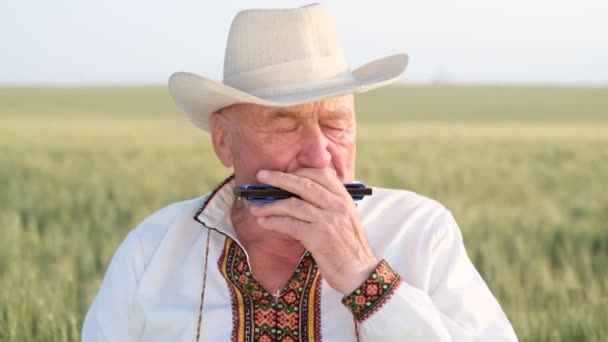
(263, 193)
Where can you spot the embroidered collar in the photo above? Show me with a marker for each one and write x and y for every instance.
(294, 314)
(214, 213)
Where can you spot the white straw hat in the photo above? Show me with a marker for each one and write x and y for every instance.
(280, 57)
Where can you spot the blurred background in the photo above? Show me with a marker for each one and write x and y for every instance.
(502, 116)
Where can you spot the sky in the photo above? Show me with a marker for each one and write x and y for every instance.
(107, 42)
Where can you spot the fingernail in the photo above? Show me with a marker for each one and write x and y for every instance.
(263, 174)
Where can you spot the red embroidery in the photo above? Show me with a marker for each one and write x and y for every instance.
(373, 293)
(257, 316)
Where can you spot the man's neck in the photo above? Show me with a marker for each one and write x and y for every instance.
(272, 257)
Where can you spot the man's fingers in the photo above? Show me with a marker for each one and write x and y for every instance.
(285, 225)
(291, 207)
(326, 177)
(306, 188)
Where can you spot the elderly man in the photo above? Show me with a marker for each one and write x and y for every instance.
(311, 267)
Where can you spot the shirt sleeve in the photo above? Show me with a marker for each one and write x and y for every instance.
(114, 315)
(457, 307)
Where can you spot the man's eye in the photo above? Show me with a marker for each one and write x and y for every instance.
(333, 128)
(287, 129)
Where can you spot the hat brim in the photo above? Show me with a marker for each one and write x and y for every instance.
(198, 97)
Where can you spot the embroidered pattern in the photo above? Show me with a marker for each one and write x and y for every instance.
(257, 316)
(374, 292)
(204, 282)
(208, 199)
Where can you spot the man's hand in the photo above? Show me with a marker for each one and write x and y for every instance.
(324, 220)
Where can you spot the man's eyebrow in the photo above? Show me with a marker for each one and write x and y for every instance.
(280, 114)
(337, 113)
(267, 119)
(334, 114)
(284, 113)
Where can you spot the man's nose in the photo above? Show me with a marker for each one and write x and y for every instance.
(314, 152)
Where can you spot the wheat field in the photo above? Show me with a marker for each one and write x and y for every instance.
(524, 170)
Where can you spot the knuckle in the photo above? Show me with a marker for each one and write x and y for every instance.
(342, 208)
(295, 203)
(334, 220)
(291, 222)
(308, 184)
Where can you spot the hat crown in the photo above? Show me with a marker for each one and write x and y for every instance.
(281, 58)
(261, 38)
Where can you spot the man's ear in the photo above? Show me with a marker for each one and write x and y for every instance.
(221, 139)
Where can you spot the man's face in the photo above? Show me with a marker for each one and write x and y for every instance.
(315, 135)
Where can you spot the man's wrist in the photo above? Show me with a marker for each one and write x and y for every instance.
(373, 292)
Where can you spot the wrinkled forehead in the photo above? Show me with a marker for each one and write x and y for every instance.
(338, 107)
